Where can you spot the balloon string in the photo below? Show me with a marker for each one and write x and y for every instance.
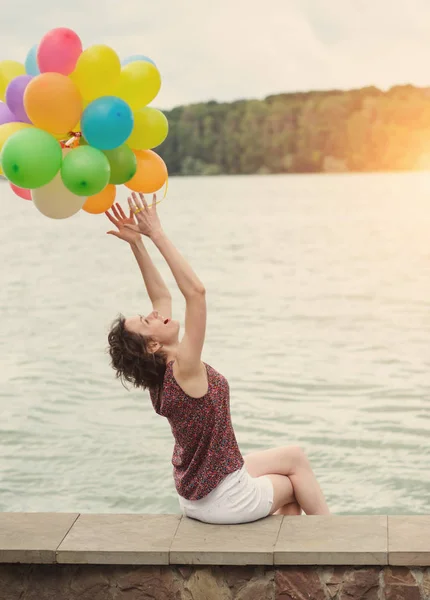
(167, 185)
(165, 191)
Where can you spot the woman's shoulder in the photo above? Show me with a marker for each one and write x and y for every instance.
(200, 387)
(196, 387)
(170, 364)
(171, 369)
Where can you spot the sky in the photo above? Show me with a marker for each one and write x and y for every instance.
(226, 50)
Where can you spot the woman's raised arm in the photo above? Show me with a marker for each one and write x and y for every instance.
(188, 355)
(148, 223)
(158, 292)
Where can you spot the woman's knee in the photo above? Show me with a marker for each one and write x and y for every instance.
(284, 460)
(297, 457)
(283, 491)
(290, 510)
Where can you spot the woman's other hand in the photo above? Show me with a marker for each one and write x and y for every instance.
(120, 220)
(148, 222)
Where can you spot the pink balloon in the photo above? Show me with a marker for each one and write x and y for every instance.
(15, 94)
(21, 192)
(59, 51)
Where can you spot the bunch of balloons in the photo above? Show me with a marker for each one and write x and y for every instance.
(75, 124)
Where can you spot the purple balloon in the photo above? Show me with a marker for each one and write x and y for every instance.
(6, 115)
(15, 96)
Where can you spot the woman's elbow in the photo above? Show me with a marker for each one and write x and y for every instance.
(194, 291)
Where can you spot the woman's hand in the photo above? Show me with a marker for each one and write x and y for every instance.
(146, 216)
(119, 219)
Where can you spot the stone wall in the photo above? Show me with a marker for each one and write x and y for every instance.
(114, 582)
(70, 556)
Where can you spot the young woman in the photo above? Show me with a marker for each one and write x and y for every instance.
(215, 484)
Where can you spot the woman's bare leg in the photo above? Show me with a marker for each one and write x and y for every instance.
(292, 510)
(292, 463)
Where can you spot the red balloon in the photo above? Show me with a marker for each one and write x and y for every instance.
(21, 192)
(59, 51)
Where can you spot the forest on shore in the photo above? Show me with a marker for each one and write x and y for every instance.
(308, 132)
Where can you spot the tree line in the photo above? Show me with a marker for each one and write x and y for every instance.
(331, 131)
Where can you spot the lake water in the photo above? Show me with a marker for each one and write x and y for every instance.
(318, 292)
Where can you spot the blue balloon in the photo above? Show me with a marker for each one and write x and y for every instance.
(136, 57)
(107, 122)
(31, 66)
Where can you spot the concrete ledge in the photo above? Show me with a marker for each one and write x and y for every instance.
(198, 543)
(119, 540)
(409, 541)
(342, 540)
(72, 538)
(33, 537)
(62, 556)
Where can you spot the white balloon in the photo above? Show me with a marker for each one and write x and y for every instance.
(54, 200)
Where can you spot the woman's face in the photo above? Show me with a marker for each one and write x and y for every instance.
(161, 329)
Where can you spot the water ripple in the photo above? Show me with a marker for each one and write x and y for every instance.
(318, 316)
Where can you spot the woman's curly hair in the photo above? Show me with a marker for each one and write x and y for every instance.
(131, 359)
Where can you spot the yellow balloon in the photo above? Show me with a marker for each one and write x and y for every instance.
(78, 126)
(139, 83)
(150, 129)
(9, 69)
(97, 72)
(9, 129)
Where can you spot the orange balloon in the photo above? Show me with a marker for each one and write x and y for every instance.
(53, 102)
(101, 202)
(151, 172)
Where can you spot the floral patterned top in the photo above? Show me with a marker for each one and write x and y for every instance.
(205, 450)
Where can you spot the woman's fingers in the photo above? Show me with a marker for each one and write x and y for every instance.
(137, 202)
(115, 212)
(131, 204)
(111, 219)
(143, 200)
(121, 212)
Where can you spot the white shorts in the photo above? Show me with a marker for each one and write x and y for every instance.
(239, 498)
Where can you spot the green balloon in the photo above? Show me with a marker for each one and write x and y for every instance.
(123, 164)
(31, 158)
(85, 171)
